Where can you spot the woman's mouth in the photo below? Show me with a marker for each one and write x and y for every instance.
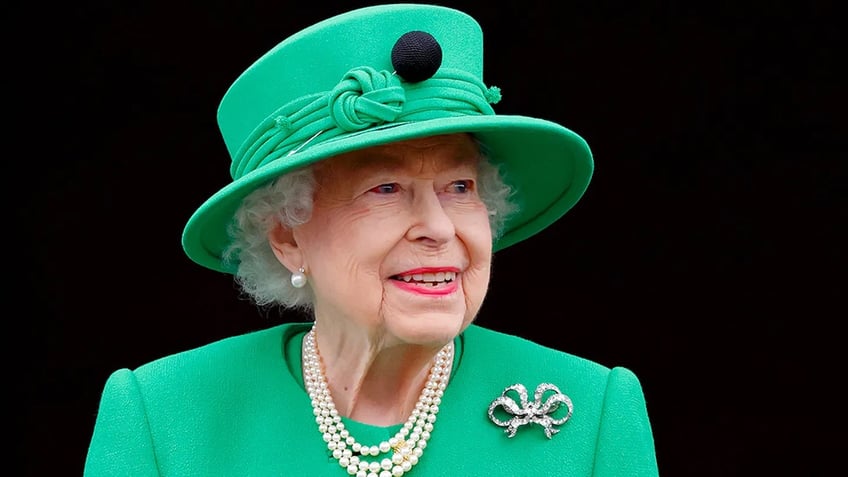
(427, 279)
(427, 283)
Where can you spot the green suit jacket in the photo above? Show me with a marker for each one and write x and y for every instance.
(237, 407)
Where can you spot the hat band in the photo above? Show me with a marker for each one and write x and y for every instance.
(364, 98)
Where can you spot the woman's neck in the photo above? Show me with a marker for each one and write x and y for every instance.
(373, 385)
(386, 394)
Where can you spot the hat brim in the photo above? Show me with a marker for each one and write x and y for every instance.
(547, 165)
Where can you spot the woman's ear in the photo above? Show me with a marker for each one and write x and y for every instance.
(285, 247)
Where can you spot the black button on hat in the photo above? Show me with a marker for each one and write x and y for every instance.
(416, 56)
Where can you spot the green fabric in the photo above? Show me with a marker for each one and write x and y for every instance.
(237, 407)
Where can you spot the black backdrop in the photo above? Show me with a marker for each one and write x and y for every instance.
(707, 254)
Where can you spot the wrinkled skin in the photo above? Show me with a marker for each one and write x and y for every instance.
(381, 215)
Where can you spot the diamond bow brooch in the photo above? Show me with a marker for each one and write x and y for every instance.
(524, 411)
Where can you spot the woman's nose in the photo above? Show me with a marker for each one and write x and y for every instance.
(431, 223)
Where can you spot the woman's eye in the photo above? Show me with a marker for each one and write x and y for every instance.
(385, 188)
(461, 187)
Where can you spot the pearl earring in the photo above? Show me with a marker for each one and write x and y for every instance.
(298, 278)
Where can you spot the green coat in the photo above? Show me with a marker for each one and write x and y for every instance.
(237, 407)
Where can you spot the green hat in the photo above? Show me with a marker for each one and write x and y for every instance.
(373, 76)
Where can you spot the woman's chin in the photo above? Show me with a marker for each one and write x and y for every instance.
(432, 328)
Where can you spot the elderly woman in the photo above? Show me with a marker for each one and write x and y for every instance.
(372, 183)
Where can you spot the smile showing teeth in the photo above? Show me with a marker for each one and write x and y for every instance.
(428, 278)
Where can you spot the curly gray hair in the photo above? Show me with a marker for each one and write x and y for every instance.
(288, 200)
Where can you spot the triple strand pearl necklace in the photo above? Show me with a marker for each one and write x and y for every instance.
(407, 445)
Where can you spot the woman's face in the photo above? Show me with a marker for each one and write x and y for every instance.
(399, 243)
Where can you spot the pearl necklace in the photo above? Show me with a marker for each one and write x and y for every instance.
(407, 445)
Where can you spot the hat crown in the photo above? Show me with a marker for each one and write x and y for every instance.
(315, 59)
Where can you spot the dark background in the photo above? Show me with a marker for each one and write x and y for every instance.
(707, 254)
